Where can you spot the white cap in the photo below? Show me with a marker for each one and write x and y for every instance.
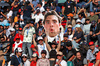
(24, 55)
(34, 55)
(19, 49)
(40, 38)
(12, 29)
(78, 20)
(12, 54)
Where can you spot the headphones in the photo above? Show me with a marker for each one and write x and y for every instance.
(16, 50)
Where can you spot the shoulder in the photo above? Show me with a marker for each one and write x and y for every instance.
(63, 62)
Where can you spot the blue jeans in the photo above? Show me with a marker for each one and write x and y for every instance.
(27, 45)
(80, 4)
(91, 6)
(75, 45)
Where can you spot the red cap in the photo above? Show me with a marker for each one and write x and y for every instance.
(90, 64)
(97, 46)
(32, 46)
(20, 29)
(17, 37)
(91, 43)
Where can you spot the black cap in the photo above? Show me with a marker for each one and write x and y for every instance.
(69, 43)
(53, 43)
(65, 35)
(43, 52)
(28, 21)
(37, 11)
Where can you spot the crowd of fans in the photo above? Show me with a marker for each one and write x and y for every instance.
(23, 39)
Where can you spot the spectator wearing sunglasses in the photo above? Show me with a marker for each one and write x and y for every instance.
(59, 61)
(25, 60)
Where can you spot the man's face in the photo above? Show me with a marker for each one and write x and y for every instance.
(43, 55)
(40, 42)
(78, 55)
(69, 47)
(1, 19)
(51, 25)
(92, 47)
(19, 53)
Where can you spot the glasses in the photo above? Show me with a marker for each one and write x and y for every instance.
(59, 55)
(24, 57)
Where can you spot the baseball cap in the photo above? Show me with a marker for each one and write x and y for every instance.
(43, 52)
(19, 49)
(12, 29)
(2, 24)
(32, 46)
(59, 53)
(65, 35)
(53, 43)
(24, 55)
(7, 24)
(12, 54)
(39, 38)
(70, 14)
(34, 55)
(69, 43)
(78, 20)
(1, 16)
(91, 43)
(93, 22)
(20, 29)
(17, 37)
(37, 11)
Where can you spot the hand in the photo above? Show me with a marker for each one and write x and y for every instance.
(94, 35)
(1, 12)
(26, 26)
(90, 33)
(58, 62)
(75, 38)
(74, 14)
(86, 3)
(85, 35)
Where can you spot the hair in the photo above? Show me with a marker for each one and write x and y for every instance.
(52, 13)
(79, 29)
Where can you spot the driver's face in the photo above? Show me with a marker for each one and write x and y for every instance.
(51, 25)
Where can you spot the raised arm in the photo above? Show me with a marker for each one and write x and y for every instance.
(47, 45)
(58, 47)
(34, 42)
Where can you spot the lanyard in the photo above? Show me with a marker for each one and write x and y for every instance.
(42, 47)
(28, 31)
(69, 3)
(19, 59)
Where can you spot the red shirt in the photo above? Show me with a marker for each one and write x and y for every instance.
(98, 57)
(33, 63)
(21, 37)
(20, 45)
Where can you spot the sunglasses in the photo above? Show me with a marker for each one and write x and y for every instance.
(59, 55)
(24, 57)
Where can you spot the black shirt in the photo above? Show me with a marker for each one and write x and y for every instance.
(69, 7)
(15, 60)
(69, 53)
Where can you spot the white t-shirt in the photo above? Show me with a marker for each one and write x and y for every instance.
(27, 63)
(63, 63)
(41, 9)
(37, 17)
(9, 14)
(42, 47)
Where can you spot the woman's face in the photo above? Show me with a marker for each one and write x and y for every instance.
(88, 21)
(76, 28)
(34, 58)
(78, 55)
(69, 29)
(53, 46)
